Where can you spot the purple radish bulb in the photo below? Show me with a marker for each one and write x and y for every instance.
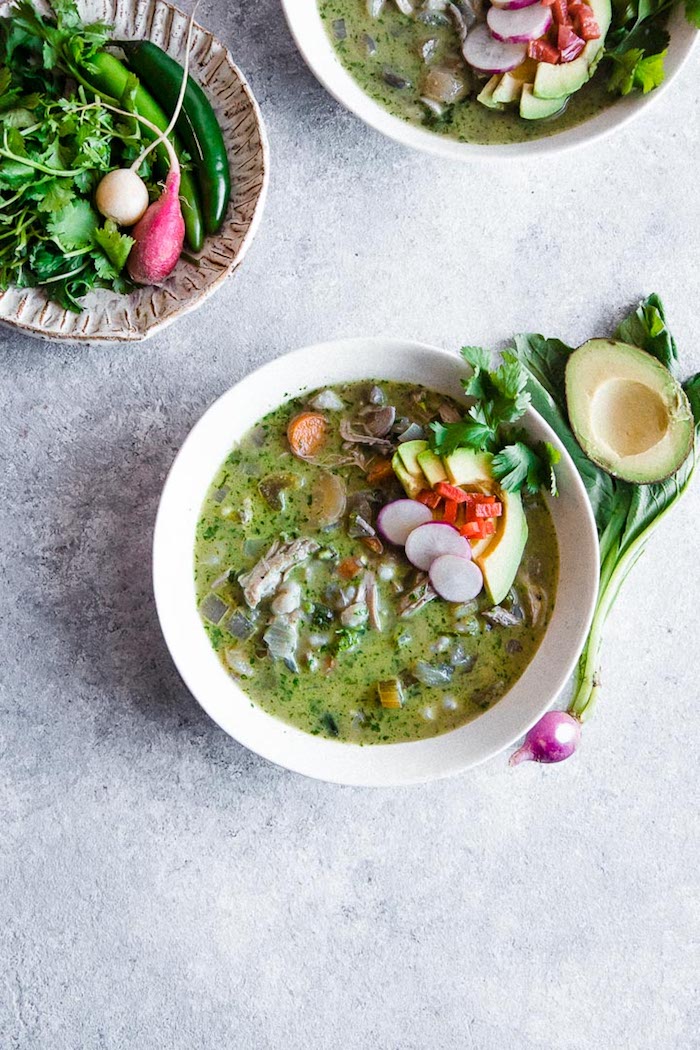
(555, 737)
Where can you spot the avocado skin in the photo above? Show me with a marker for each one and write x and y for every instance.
(624, 363)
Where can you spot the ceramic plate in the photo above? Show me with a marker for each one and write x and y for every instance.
(110, 317)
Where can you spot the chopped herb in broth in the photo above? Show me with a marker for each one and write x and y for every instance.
(323, 622)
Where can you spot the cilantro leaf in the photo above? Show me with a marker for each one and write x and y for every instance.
(74, 225)
(521, 465)
(635, 71)
(114, 244)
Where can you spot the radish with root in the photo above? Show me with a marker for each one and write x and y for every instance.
(121, 196)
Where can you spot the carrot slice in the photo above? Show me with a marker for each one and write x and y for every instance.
(380, 471)
(307, 433)
(348, 568)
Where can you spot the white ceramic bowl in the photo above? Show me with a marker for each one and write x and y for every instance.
(312, 40)
(173, 573)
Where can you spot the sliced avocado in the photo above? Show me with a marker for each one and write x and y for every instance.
(533, 108)
(432, 467)
(629, 414)
(508, 89)
(558, 81)
(501, 560)
(408, 451)
(413, 484)
(486, 95)
(466, 467)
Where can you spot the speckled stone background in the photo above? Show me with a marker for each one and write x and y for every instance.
(160, 887)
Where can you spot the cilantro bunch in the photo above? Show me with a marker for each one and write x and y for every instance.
(500, 400)
(55, 145)
(637, 42)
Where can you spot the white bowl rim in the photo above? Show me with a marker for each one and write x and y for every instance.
(330, 72)
(218, 693)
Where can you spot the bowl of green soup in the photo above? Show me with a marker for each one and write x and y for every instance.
(347, 602)
(493, 78)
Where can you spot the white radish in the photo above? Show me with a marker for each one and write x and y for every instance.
(456, 579)
(513, 5)
(519, 27)
(487, 55)
(397, 520)
(428, 542)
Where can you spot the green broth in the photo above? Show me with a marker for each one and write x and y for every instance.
(399, 39)
(333, 691)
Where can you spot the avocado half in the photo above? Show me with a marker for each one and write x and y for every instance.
(629, 414)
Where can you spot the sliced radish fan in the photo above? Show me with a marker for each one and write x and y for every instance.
(516, 27)
(456, 579)
(428, 542)
(488, 55)
(398, 519)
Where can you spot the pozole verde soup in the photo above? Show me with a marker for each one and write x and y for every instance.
(413, 63)
(324, 622)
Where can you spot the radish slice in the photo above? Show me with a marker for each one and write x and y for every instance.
(428, 542)
(398, 519)
(513, 5)
(519, 27)
(456, 579)
(487, 55)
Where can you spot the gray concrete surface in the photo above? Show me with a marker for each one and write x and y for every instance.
(163, 889)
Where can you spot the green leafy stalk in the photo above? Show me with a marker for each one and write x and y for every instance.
(626, 515)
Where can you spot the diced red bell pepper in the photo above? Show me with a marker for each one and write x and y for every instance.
(570, 45)
(542, 51)
(489, 510)
(449, 514)
(452, 492)
(560, 13)
(488, 527)
(428, 498)
(586, 25)
(471, 529)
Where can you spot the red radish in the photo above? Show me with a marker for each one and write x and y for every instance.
(397, 520)
(518, 27)
(570, 45)
(542, 51)
(487, 55)
(159, 233)
(555, 737)
(514, 5)
(456, 579)
(428, 542)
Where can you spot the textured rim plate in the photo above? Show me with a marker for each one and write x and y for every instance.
(106, 316)
(313, 42)
(220, 696)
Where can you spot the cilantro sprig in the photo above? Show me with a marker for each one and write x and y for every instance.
(637, 42)
(500, 400)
